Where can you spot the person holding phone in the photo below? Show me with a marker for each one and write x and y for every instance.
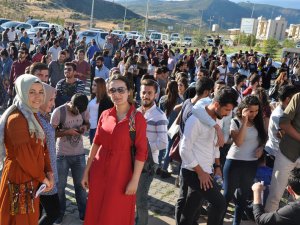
(249, 136)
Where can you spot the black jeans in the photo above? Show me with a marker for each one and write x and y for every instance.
(194, 198)
(51, 205)
(238, 175)
(179, 206)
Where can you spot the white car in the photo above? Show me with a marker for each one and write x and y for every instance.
(119, 32)
(17, 25)
(137, 38)
(228, 42)
(57, 27)
(32, 32)
(92, 34)
(187, 42)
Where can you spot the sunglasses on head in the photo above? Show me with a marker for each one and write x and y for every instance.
(120, 90)
(69, 69)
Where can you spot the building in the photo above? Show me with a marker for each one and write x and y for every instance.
(294, 31)
(249, 26)
(265, 29)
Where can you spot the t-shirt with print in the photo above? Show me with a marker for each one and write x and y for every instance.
(69, 145)
(247, 150)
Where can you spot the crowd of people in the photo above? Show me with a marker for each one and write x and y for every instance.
(227, 122)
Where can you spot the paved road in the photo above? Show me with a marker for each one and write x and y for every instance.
(162, 198)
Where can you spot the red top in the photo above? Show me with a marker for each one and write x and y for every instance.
(17, 69)
(111, 170)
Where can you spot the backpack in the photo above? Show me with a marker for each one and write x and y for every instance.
(150, 166)
(63, 115)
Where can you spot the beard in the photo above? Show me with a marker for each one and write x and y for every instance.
(218, 115)
(148, 103)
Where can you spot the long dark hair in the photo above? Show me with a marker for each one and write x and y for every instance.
(258, 120)
(172, 96)
(101, 89)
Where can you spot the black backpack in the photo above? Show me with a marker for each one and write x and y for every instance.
(150, 166)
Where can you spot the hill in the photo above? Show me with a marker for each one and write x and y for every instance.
(223, 12)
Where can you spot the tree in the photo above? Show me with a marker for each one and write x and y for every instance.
(270, 46)
(199, 39)
(244, 39)
(287, 43)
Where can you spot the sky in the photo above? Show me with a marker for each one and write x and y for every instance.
(293, 4)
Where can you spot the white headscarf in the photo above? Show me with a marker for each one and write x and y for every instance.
(22, 87)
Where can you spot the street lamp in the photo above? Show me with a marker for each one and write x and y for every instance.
(146, 20)
(92, 14)
(125, 13)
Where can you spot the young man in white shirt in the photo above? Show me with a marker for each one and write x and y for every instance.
(198, 151)
(158, 139)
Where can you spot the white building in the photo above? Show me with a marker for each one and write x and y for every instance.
(294, 31)
(249, 26)
(264, 29)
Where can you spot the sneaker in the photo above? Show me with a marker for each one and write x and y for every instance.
(58, 221)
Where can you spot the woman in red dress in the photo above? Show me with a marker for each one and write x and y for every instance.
(109, 176)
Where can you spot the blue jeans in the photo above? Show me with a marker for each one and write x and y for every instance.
(77, 165)
(167, 155)
(238, 174)
(141, 217)
(92, 135)
(137, 84)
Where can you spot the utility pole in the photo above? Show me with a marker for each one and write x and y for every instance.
(201, 19)
(210, 21)
(92, 14)
(146, 20)
(251, 38)
(125, 13)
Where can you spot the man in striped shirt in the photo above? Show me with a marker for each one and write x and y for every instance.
(69, 86)
(158, 139)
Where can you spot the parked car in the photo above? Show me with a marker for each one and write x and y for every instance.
(227, 42)
(119, 32)
(137, 38)
(187, 42)
(92, 34)
(174, 41)
(298, 45)
(35, 22)
(210, 42)
(57, 27)
(18, 25)
(32, 32)
(4, 20)
(157, 36)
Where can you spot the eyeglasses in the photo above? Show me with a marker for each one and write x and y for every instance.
(120, 90)
(68, 69)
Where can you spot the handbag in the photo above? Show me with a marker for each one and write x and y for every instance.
(174, 151)
(150, 166)
(21, 197)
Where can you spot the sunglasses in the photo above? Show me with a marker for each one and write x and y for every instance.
(120, 90)
(68, 69)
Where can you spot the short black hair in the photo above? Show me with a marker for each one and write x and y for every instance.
(4, 52)
(100, 58)
(151, 83)
(226, 96)
(71, 64)
(203, 84)
(37, 66)
(294, 180)
(286, 91)
(238, 78)
(80, 101)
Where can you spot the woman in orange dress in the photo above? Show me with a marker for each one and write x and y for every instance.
(26, 159)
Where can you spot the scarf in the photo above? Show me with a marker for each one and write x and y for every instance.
(22, 86)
